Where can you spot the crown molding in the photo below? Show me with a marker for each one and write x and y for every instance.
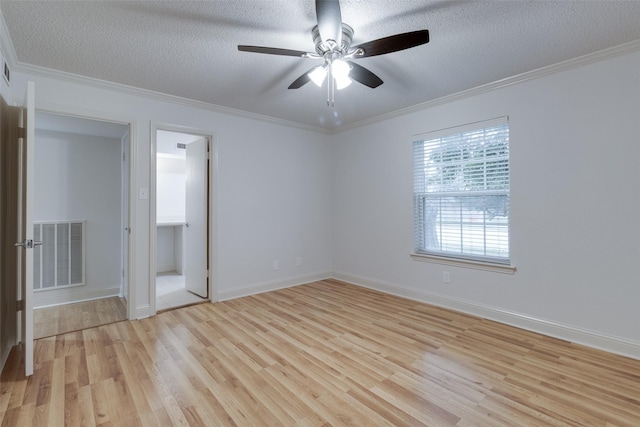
(157, 96)
(630, 47)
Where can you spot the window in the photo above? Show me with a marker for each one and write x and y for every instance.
(461, 192)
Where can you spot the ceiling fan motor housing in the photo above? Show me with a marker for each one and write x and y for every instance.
(322, 48)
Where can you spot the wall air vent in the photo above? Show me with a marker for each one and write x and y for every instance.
(181, 146)
(59, 262)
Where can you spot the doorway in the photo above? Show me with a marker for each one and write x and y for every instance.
(81, 215)
(181, 218)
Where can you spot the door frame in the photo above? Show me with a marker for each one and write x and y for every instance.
(125, 217)
(132, 164)
(211, 207)
(9, 159)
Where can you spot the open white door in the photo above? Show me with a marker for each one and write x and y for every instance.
(196, 217)
(124, 202)
(25, 243)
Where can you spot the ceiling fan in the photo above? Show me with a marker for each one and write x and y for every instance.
(332, 39)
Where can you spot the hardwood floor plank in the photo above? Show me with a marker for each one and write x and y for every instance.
(62, 319)
(437, 395)
(525, 413)
(10, 386)
(58, 393)
(598, 390)
(28, 415)
(11, 417)
(383, 407)
(321, 354)
(169, 403)
(70, 404)
(131, 390)
(295, 406)
(345, 410)
(428, 413)
(100, 404)
(84, 407)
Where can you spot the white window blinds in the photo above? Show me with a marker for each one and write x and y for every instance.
(461, 192)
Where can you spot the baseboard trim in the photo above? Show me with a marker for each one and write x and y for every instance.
(273, 285)
(56, 297)
(570, 333)
(143, 312)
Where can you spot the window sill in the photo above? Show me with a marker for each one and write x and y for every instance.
(465, 263)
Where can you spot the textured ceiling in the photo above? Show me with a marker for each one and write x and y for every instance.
(189, 49)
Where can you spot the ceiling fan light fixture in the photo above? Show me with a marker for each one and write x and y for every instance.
(342, 82)
(340, 72)
(340, 69)
(318, 74)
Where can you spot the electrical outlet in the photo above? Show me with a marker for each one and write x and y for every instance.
(298, 261)
(446, 278)
(276, 264)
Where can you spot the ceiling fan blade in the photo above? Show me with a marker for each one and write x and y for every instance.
(272, 50)
(301, 81)
(329, 20)
(393, 43)
(364, 76)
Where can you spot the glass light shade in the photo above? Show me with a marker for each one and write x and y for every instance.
(340, 71)
(342, 82)
(318, 75)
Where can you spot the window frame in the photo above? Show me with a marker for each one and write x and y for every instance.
(424, 191)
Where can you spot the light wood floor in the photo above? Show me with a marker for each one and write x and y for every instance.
(321, 354)
(61, 319)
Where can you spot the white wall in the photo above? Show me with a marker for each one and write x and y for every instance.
(171, 186)
(272, 193)
(171, 182)
(167, 251)
(575, 235)
(78, 178)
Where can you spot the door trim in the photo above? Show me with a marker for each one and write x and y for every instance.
(213, 202)
(9, 336)
(133, 164)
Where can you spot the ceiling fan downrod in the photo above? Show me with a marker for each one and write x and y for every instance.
(331, 88)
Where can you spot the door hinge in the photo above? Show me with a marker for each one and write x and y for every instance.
(20, 305)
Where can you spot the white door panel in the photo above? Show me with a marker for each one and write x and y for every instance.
(25, 227)
(196, 218)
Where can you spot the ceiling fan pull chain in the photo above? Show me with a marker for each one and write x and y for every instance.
(330, 88)
(328, 92)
